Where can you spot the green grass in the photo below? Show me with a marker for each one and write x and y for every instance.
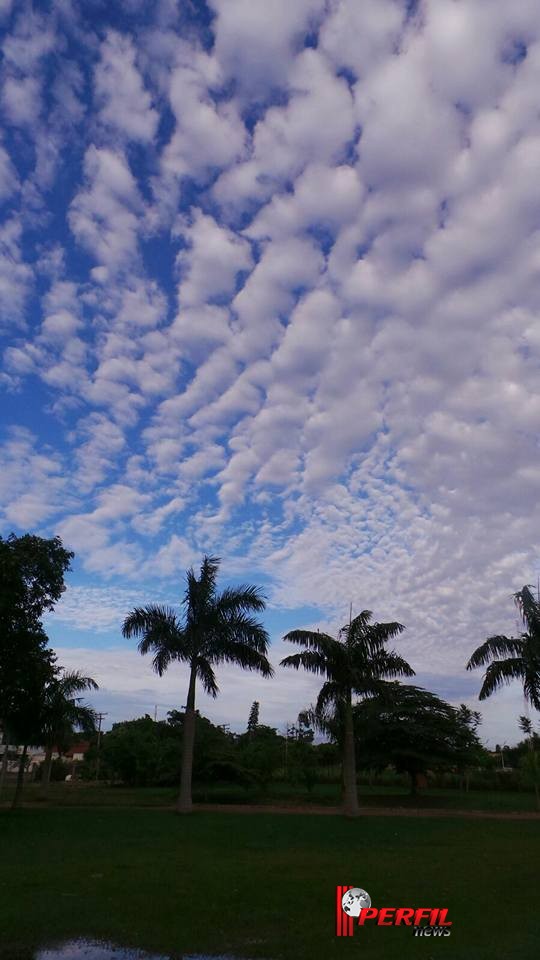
(263, 886)
(90, 794)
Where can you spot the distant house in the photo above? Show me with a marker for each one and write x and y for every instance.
(37, 755)
(77, 752)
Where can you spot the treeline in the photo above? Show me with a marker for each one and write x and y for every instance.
(370, 716)
(419, 737)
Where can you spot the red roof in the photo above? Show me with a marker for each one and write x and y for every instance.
(81, 747)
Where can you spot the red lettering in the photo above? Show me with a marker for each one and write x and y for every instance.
(443, 922)
(383, 914)
(404, 915)
(368, 913)
(421, 914)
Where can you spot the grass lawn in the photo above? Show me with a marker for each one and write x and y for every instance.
(263, 885)
(90, 794)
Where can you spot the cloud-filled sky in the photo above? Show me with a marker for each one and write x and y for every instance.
(269, 289)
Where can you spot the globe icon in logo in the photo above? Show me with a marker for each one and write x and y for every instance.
(355, 900)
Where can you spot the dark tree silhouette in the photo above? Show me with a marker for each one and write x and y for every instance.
(353, 664)
(216, 628)
(253, 719)
(513, 658)
(63, 713)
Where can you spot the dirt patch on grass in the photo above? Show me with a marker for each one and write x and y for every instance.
(368, 811)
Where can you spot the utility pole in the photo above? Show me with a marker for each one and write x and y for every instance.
(100, 718)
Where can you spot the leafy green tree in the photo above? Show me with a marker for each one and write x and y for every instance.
(354, 664)
(253, 718)
(24, 674)
(530, 763)
(261, 753)
(513, 658)
(414, 731)
(64, 713)
(142, 752)
(216, 628)
(302, 757)
(470, 720)
(32, 571)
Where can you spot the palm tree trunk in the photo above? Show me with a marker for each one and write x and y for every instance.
(47, 769)
(20, 779)
(185, 803)
(350, 790)
(3, 769)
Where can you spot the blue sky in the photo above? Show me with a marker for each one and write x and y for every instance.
(269, 290)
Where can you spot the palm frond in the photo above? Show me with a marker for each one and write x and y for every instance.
(241, 599)
(357, 625)
(208, 576)
(389, 665)
(84, 718)
(314, 640)
(236, 628)
(311, 660)
(531, 687)
(142, 620)
(529, 609)
(501, 672)
(244, 655)
(330, 693)
(72, 682)
(375, 635)
(493, 647)
(207, 677)
(160, 633)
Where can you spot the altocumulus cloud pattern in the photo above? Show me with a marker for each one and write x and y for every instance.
(269, 287)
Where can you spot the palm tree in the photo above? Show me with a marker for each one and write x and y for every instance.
(356, 663)
(216, 628)
(64, 712)
(513, 658)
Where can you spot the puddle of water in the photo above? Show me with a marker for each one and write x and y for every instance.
(88, 950)
(85, 950)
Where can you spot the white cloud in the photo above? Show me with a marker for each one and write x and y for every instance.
(357, 36)
(32, 482)
(208, 133)
(15, 275)
(256, 44)
(307, 335)
(104, 215)
(9, 180)
(324, 196)
(211, 261)
(316, 125)
(124, 104)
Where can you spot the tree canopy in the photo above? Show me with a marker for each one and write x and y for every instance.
(414, 731)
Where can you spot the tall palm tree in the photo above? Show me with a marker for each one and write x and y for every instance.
(356, 663)
(216, 628)
(513, 658)
(64, 712)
